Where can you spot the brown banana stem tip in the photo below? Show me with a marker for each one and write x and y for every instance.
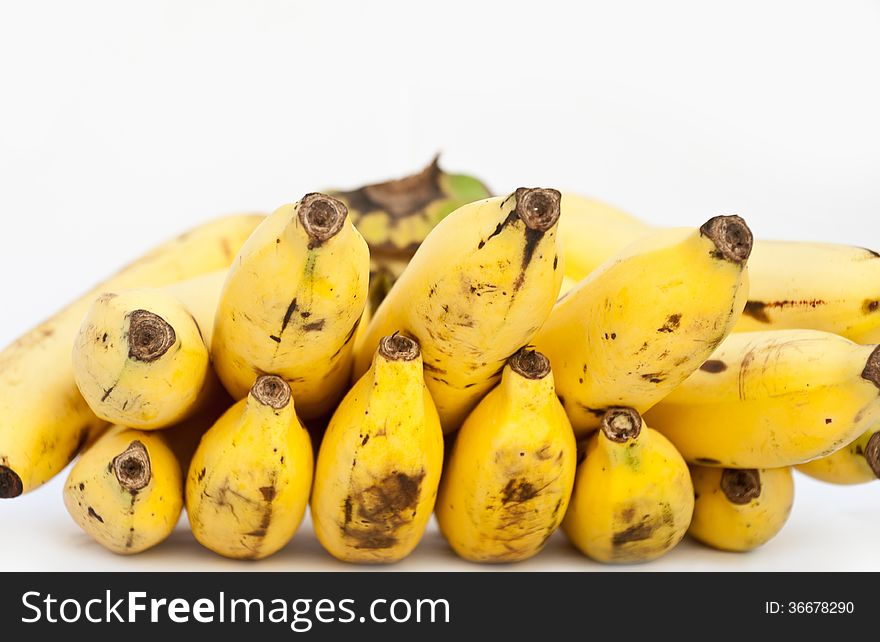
(530, 364)
(10, 483)
(322, 216)
(149, 336)
(621, 424)
(731, 236)
(272, 391)
(872, 367)
(537, 207)
(398, 347)
(132, 467)
(741, 486)
(872, 453)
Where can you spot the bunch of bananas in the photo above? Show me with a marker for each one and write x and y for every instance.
(511, 364)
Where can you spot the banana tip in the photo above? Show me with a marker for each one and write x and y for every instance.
(538, 207)
(741, 486)
(398, 347)
(322, 216)
(732, 237)
(149, 336)
(530, 364)
(872, 367)
(872, 453)
(621, 424)
(10, 483)
(132, 467)
(272, 391)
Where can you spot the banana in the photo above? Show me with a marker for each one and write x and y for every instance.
(126, 491)
(140, 358)
(475, 292)
(793, 285)
(639, 325)
(773, 399)
(507, 484)
(857, 463)
(380, 461)
(44, 421)
(394, 217)
(249, 480)
(818, 286)
(739, 510)
(633, 497)
(292, 303)
(591, 232)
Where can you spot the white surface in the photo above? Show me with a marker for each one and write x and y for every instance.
(113, 112)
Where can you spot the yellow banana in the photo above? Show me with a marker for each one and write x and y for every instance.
(476, 291)
(739, 510)
(380, 461)
(639, 325)
(126, 491)
(507, 484)
(857, 463)
(816, 286)
(819, 286)
(292, 303)
(633, 497)
(44, 420)
(249, 480)
(773, 399)
(140, 358)
(591, 232)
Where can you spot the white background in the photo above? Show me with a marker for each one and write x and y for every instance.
(124, 123)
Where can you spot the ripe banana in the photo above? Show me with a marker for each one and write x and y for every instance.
(857, 463)
(44, 421)
(820, 286)
(292, 303)
(817, 286)
(773, 399)
(591, 232)
(507, 484)
(476, 291)
(380, 461)
(633, 497)
(249, 480)
(394, 217)
(739, 510)
(140, 358)
(126, 491)
(643, 322)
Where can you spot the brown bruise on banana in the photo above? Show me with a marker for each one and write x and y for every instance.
(149, 336)
(640, 535)
(741, 486)
(373, 515)
(713, 366)
(757, 310)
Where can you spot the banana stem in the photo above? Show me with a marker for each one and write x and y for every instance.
(621, 424)
(132, 467)
(398, 347)
(322, 216)
(872, 453)
(538, 208)
(149, 336)
(10, 483)
(530, 364)
(741, 486)
(272, 391)
(731, 236)
(872, 368)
